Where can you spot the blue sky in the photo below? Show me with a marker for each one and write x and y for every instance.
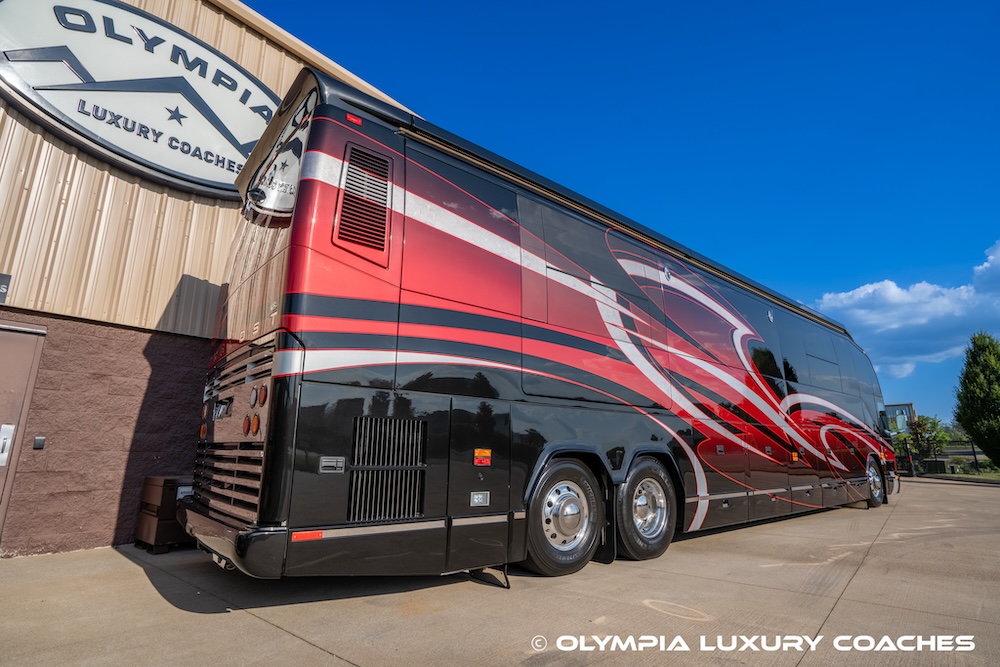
(845, 154)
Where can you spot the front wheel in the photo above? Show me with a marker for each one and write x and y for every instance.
(876, 489)
(646, 507)
(565, 518)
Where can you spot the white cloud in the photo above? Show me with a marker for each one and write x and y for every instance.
(899, 371)
(885, 305)
(986, 276)
(925, 323)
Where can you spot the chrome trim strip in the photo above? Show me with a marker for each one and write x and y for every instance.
(520, 515)
(805, 487)
(768, 492)
(727, 496)
(379, 530)
(479, 520)
(10, 327)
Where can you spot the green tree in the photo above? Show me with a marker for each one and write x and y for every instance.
(927, 437)
(978, 395)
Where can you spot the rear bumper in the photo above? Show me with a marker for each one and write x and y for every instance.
(259, 552)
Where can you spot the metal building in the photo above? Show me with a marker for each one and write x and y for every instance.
(122, 126)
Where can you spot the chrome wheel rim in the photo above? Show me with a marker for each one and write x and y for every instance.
(565, 516)
(875, 481)
(649, 508)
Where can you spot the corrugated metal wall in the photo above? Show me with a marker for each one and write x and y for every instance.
(84, 239)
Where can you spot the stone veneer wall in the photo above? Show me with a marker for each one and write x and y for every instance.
(115, 404)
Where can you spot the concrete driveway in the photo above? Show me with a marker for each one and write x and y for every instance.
(922, 571)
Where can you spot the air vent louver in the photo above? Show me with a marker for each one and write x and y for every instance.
(364, 211)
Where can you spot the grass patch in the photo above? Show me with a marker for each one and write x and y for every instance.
(993, 475)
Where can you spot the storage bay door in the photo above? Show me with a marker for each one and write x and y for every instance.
(20, 348)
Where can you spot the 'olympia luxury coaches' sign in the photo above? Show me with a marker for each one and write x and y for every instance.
(133, 88)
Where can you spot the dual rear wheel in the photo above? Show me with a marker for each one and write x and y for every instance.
(566, 515)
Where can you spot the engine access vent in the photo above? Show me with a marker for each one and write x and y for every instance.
(388, 464)
(366, 204)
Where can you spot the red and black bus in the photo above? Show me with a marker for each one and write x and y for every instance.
(432, 360)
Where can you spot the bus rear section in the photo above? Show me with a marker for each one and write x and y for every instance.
(242, 470)
(311, 459)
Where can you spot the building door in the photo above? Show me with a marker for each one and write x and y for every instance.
(20, 349)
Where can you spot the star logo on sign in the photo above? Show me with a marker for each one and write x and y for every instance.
(175, 114)
(284, 165)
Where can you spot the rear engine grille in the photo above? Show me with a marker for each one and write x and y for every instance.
(227, 480)
(387, 469)
(228, 472)
(253, 364)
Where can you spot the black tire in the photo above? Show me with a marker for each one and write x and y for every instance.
(565, 519)
(876, 485)
(646, 508)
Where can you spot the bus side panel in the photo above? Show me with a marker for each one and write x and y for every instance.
(371, 475)
(343, 282)
(276, 483)
(541, 432)
(459, 328)
(479, 483)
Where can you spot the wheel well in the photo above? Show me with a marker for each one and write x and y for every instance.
(878, 464)
(593, 463)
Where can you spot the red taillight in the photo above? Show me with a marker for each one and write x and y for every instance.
(262, 395)
(351, 118)
(246, 425)
(203, 432)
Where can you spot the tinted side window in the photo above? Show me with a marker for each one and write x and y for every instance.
(580, 263)
(453, 181)
(845, 358)
(764, 354)
(698, 314)
(824, 371)
(580, 247)
(871, 394)
(794, 364)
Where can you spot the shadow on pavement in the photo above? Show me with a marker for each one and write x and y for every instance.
(189, 580)
(954, 482)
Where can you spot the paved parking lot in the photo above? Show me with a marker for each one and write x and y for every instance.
(922, 571)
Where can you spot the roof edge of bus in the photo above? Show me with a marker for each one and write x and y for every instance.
(332, 89)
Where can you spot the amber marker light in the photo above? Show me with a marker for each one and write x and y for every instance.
(255, 424)
(482, 457)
